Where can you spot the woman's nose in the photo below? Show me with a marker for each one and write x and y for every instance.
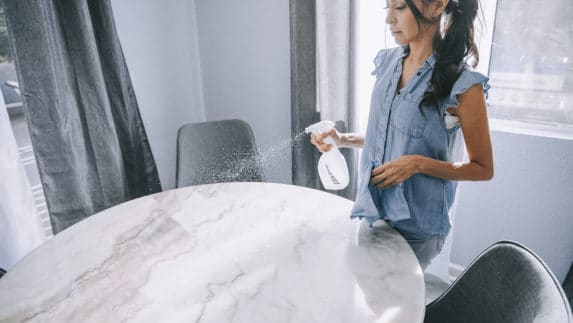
(388, 17)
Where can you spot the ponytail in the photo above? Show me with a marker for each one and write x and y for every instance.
(450, 50)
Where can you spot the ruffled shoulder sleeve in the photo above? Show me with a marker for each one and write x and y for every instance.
(466, 80)
(379, 62)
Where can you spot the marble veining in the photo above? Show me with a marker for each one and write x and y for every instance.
(233, 252)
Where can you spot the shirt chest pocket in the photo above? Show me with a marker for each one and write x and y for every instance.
(406, 116)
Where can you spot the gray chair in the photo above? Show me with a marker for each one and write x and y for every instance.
(568, 285)
(506, 283)
(216, 152)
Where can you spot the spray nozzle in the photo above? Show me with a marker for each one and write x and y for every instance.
(319, 127)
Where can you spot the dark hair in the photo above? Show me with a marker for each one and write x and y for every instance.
(450, 50)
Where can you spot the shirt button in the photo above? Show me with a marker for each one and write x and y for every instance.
(419, 73)
(398, 93)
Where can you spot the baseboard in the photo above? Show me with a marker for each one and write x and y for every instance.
(454, 271)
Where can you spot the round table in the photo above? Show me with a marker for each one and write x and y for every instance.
(232, 252)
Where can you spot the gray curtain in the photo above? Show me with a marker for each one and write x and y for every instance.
(322, 80)
(303, 90)
(90, 145)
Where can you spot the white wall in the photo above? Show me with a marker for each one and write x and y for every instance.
(245, 59)
(203, 60)
(159, 40)
(529, 200)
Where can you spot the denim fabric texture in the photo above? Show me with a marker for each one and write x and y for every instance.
(426, 249)
(418, 208)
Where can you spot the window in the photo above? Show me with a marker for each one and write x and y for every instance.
(529, 62)
(373, 35)
(531, 66)
(9, 88)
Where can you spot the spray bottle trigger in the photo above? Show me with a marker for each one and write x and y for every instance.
(329, 140)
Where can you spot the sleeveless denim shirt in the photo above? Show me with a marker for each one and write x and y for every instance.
(419, 207)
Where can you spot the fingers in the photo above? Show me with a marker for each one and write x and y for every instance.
(388, 182)
(379, 170)
(382, 177)
(325, 148)
(384, 182)
(313, 139)
(391, 173)
(378, 175)
(332, 132)
(320, 145)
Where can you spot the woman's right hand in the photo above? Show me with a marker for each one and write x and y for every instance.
(318, 140)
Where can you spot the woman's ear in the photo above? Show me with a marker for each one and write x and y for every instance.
(437, 7)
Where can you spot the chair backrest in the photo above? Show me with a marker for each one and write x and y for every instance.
(217, 151)
(506, 283)
(568, 285)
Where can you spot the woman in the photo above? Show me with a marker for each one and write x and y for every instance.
(424, 97)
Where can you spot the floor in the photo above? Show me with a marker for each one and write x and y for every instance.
(434, 288)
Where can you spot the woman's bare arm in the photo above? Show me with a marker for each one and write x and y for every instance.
(473, 121)
(344, 140)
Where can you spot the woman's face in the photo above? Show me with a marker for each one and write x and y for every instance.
(402, 22)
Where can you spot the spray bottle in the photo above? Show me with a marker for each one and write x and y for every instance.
(332, 167)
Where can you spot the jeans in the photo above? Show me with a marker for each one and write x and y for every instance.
(426, 249)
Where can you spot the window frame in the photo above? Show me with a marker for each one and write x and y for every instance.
(485, 43)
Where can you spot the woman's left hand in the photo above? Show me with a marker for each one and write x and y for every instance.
(395, 171)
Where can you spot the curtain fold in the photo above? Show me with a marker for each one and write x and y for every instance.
(323, 80)
(336, 46)
(90, 144)
(303, 90)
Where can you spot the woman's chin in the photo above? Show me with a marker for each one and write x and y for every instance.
(400, 41)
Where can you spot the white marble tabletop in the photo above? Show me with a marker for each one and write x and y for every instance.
(234, 252)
